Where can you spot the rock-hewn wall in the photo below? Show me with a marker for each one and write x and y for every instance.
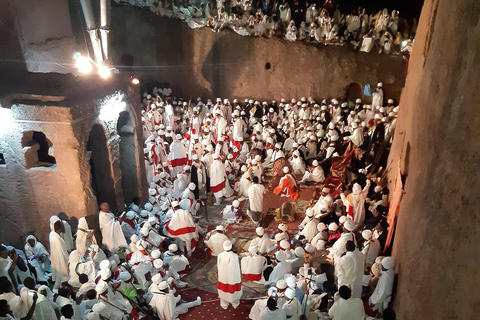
(208, 64)
(30, 195)
(437, 142)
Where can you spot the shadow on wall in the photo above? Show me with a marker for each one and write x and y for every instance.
(73, 222)
(217, 63)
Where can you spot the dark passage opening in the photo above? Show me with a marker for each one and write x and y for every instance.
(128, 162)
(100, 168)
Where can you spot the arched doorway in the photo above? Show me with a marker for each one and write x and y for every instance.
(128, 162)
(100, 168)
(354, 91)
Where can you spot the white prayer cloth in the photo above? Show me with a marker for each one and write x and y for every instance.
(377, 98)
(38, 257)
(165, 305)
(315, 174)
(372, 252)
(298, 166)
(16, 304)
(253, 267)
(360, 267)
(276, 314)
(257, 309)
(58, 257)
(112, 233)
(82, 242)
(310, 229)
(293, 309)
(383, 291)
(358, 203)
(218, 180)
(255, 196)
(264, 244)
(229, 284)
(280, 270)
(346, 270)
(351, 309)
(77, 266)
(228, 214)
(215, 243)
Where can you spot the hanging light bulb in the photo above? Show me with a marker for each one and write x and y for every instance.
(104, 72)
(84, 65)
(134, 80)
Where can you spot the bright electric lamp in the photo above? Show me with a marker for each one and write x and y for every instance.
(135, 80)
(84, 65)
(104, 72)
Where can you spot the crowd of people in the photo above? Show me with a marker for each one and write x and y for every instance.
(231, 153)
(310, 21)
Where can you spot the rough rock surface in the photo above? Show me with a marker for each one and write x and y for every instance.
(29, 195)
(437, 142)
(207, 64)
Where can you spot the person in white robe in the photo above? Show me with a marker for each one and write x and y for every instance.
(355, 203)
(297, 163)
(347, 307)
(253, 265)
(346, 268)
(261, 304)
(219, 184)
(383, 291)
(339, 247)
(291, 34)
(181, 183)
(232, 212)
(58, 254)
(66, 234)
(229, 285)
(239, 126)
(15, 302)
(242, 185)
(78, 264)
(255, 197)
(178, 155)
(281, 269)
(292, 307)
(262, 242)
(128, 225)
(116, 307)
(357, 135)
(324, 201)
(182, 227)
(309, 225)
(38, 257)
(85, 236)
(112, 234)
(360, 268)
(314, 174)
(220, 125)
(298, 259)
(215, 240)
(377, 97)
(169, 116)
(371, 247)
(272, 311)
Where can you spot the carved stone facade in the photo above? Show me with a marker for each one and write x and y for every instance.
(83, 139)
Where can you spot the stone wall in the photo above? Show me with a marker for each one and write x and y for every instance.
(208, 64)
(437, 143)
(30, 195)
(43, 32)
